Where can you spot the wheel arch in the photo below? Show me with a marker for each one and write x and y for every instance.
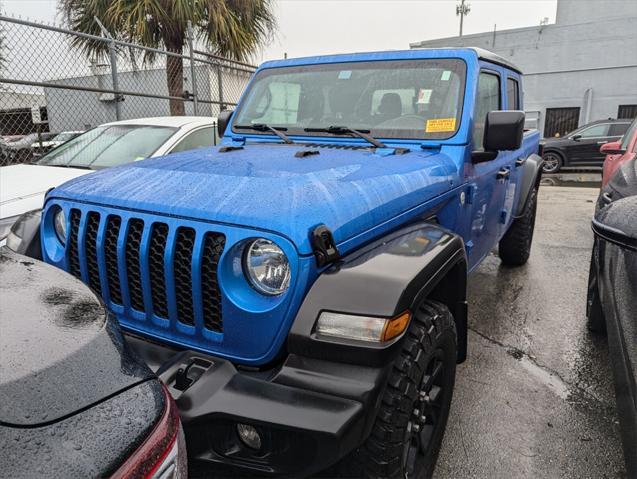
(384, 279)
(450, 289)
(530, 179)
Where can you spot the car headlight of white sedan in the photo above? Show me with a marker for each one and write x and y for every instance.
(5, 226)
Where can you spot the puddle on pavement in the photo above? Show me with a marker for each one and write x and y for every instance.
(553, 382)
(579, 180)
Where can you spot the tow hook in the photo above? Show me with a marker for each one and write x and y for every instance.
(190, 373)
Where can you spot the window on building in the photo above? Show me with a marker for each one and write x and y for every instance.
(488, 100)
(513, 94)
(560, 121)
(627, 111)
(197, 139)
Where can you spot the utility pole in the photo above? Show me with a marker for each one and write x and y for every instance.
(462, 10)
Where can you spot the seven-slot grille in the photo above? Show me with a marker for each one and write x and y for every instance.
(140, 247)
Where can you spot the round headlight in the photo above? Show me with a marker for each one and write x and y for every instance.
(267, 267)
(59, 223)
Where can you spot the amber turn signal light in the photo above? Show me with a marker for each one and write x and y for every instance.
(395, 327)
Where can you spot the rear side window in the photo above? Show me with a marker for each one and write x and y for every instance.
(513, 94)
(618, 129)
(488, 100)
(201, 138)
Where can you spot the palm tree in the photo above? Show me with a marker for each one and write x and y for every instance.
(231, 28)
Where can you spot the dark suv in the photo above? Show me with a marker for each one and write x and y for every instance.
(581, 147)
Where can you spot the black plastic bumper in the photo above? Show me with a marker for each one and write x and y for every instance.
(309, 412)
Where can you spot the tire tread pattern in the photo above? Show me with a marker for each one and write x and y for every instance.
(380, 456)
(515, 246)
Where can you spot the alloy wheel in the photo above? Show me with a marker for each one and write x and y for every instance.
(551, 163)
(424, 419)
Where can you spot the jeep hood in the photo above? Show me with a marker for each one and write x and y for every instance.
(269, 187)
(60, 354)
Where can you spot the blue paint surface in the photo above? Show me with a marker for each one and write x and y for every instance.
(265, 187)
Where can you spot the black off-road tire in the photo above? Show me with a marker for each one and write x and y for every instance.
(428, 355)
(595, 319)
(515, 246)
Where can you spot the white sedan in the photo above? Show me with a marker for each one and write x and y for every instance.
(22, 187)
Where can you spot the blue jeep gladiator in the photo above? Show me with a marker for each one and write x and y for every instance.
(301, 288)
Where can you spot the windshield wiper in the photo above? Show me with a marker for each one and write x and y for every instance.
(278, 131)
(66, 165)
(346, 130)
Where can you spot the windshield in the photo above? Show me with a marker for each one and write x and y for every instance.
(107, 146)
(391, 99)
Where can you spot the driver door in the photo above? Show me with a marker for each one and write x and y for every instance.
(489, 179)
(586, 144)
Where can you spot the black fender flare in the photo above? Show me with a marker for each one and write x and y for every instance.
(384, 279)
(530, 178)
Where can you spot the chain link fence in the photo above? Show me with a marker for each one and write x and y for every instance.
(48, 85)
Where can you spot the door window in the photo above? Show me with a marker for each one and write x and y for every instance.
(488, 100)
(594, 131)
(201, 138)
(513, 94)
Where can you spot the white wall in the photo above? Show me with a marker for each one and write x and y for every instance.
(561, 62)
(581, 11)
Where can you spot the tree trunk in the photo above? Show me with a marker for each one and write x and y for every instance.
(175, 81)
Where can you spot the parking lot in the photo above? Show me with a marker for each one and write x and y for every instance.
(535, 398)
(254, 238)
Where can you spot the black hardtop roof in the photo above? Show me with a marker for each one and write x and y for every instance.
(488, 56)
(482, 54)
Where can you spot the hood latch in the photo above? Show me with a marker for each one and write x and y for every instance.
(324, 246)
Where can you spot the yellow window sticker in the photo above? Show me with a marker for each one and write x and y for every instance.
(439, 125)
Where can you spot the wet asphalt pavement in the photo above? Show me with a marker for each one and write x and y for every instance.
(535, 397)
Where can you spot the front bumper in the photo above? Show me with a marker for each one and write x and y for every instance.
(309, 412)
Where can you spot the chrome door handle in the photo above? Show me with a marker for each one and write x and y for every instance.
(602, 142)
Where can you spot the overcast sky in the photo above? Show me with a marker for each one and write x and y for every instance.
(309, 27)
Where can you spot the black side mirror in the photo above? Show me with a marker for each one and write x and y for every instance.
(613, 223)
(222, 121)
(503, 130)
(576, 137)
